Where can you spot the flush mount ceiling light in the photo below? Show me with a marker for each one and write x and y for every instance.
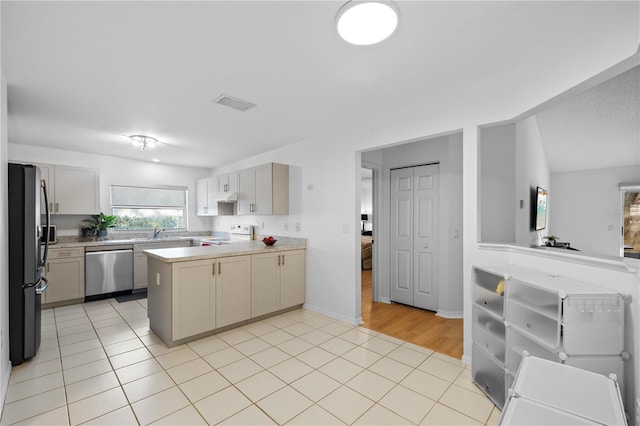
(143, 142)
(363, 22)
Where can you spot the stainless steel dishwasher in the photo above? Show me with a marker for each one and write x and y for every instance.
(108, 269)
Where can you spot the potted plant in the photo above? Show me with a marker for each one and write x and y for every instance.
(99, 225)
(551, 240)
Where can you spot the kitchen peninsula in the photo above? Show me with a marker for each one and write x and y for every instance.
(197, 291)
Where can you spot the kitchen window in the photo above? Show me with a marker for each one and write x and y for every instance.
(137, 207)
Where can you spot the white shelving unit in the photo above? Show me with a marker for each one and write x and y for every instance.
(489, 331)
(548, 316)
(577, 397)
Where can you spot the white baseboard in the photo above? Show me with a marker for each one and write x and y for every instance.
(466, 359)
(352, 321)
(450, 314)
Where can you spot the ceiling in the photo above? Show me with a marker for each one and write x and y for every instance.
(84, 76)
(598, 128)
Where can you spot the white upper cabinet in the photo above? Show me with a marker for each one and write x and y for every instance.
(71, 190)
(206, 199)
(228, 183)
(264, 190)
(202, 197)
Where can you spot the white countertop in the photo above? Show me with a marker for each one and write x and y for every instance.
(72, 244)
(238, 248)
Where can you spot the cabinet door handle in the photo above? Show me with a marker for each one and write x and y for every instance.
(213, 268)
(283, 260)
(57, 209)
(219, 268)
(47, 266)
(50, 207)
(278, 260)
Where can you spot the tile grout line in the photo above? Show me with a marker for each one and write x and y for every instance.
(371, 335)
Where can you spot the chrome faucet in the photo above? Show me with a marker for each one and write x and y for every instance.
(157, 232)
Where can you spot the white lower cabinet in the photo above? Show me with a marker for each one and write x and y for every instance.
(292, 266)
(65, 274)
(140, 280)
(209, 294)
(518, 311)
(265, 289)
(278, 281)
(191, 298)
(233, 290)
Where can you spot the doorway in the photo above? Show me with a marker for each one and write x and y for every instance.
(414, 242)
(441, 331)
(631, 224)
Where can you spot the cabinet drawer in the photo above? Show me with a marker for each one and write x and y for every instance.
(65, 253)
(534, 322)
(519, 343)
(488, 333)
(488, 375)
(593, 324)
(486, 291)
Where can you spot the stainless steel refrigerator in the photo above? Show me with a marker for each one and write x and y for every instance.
(27, 257)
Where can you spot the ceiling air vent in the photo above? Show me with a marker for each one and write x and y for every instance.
(234, 103)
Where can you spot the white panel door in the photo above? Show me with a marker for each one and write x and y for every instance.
(414, 249)
(402, 236)
(425, 248)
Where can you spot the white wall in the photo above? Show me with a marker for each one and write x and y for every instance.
(532, 170)
(5, 363)
(117, 171)
(323, 199)
(587, 208)
(498, 184)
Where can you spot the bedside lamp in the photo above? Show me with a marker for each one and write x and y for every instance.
(364, 218)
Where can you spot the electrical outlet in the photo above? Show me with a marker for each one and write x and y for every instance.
(297, 227)
(286, 226)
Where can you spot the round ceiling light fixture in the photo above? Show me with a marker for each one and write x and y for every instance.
(143, 142)
(364, 22)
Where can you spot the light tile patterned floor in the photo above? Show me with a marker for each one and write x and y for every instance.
(100, 364)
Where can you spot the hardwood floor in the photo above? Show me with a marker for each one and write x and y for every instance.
(414, 325)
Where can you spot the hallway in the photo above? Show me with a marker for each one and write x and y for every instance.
(414, 325)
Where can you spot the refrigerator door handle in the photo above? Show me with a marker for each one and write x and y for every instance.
(43, 184)
(42, 288)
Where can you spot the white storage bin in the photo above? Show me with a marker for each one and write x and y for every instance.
(542, 301)
(488, 375)
(485, 291)
(604, 365)
(524, 412)
(488, 333)
(573, 390)
(534, 322)
(518, 343)
(587, 316)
